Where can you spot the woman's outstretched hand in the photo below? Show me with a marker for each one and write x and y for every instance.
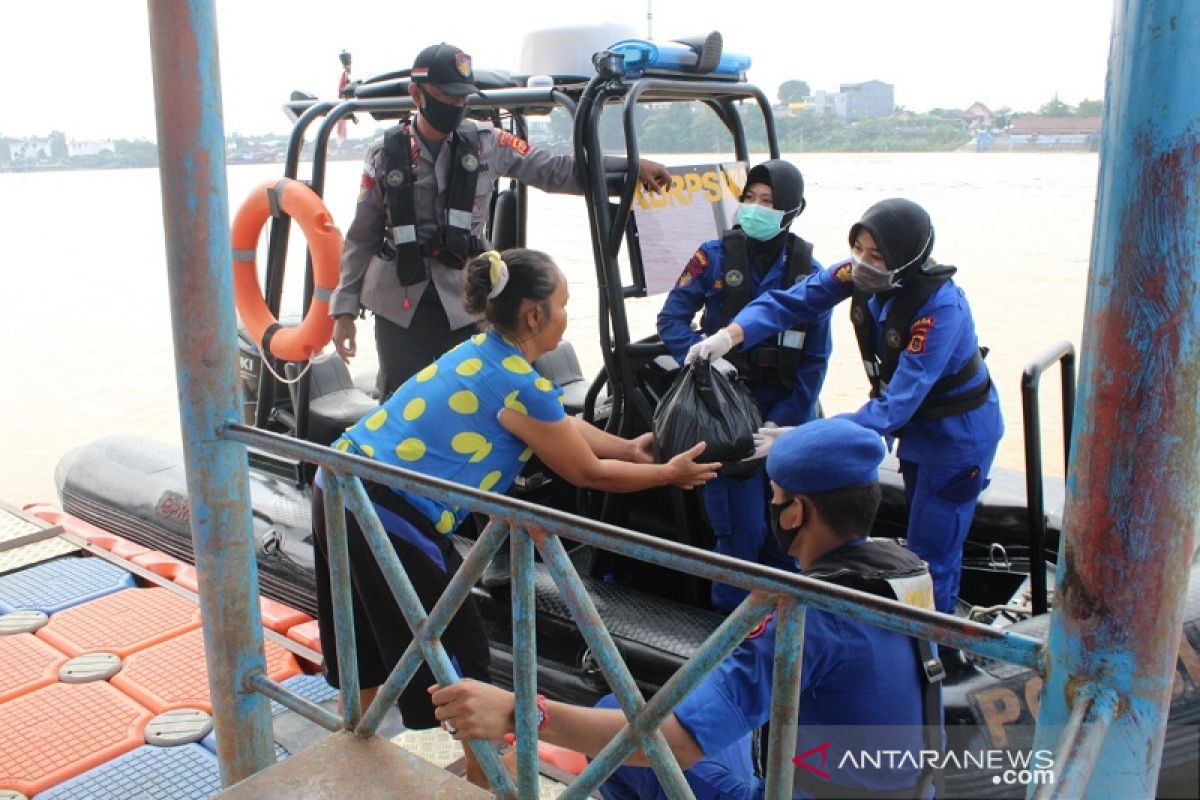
(690, 473)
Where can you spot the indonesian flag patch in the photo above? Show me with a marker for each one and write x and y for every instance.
(918, 333)
(365, 186)
(693, 269)
(513, 143)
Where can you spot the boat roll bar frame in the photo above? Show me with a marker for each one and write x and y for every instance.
(1063, 354)
(511, 101)
(609, 226)
(1130, 525)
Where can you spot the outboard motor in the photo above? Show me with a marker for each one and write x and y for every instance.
(249, 365)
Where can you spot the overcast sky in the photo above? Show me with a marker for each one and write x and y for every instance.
(83, 66)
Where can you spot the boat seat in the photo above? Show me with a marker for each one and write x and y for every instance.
(561, 365)
(335, 403)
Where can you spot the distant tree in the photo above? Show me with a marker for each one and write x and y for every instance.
(1090, 108)
(1055, 108)
(793, 91)
(58, 146)
(1003, 116)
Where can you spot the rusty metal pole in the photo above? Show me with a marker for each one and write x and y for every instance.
(1132, 506)
(191, 148)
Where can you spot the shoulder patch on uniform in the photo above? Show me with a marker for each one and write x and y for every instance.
(695, 265)
(759, 628)
(365, 185)
(685, 278)
(842, 274)
(506, 139)
(919, 332)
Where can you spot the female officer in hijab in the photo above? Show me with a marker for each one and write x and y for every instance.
(785, 372)
(929, 385)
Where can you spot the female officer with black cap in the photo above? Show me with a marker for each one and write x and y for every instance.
(929, 385)
(785, 373)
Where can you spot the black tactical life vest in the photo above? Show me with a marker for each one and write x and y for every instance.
(881, 364)
(778, 361)
(885, 569)
(453, 244)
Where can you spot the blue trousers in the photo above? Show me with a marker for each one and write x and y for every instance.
(737, 511)
(941, 504)
(726, 775)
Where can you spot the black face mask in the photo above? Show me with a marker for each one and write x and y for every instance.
(442, 116)
(783, 536)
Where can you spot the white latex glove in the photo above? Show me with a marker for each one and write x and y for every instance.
(725, 368)
(710, 348)
(765, 438)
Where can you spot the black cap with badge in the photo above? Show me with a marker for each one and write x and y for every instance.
(446, 67)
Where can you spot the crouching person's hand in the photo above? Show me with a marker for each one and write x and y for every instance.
(470, 709)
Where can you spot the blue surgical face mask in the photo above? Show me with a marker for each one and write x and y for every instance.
(760, 222)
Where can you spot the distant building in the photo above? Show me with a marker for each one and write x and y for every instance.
(1055, 132)
(829, 103)
(868, 100)
(30, 150)
(90, 148)
(979, 117)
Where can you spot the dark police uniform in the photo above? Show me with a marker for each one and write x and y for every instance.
(786, 392)
(417, 323)
(862, 689)
(944, 459)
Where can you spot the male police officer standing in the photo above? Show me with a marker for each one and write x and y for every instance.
(422, 208)
(862, 688)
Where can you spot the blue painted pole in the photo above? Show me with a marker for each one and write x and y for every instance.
(341, 589)
(1132, 506)
(1079, 746)
(191, 146)
(785, 698)
(524, 616)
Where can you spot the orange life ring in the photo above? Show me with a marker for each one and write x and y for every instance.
(303, 205)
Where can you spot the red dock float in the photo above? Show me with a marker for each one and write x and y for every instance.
(29, 664)
(42, 743)
(121, 623)
(171, 674)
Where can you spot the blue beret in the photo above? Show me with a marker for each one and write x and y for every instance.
(825, 454)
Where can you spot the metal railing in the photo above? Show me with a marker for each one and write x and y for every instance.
(534, 528)
(1109, 670)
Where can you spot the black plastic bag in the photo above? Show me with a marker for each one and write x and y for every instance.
(704, 405)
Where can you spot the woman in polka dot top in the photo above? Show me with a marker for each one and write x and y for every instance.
(474, 416)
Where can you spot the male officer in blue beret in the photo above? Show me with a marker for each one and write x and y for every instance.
(862, 688)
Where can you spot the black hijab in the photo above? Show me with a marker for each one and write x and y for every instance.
(787, 193)
(902, 231)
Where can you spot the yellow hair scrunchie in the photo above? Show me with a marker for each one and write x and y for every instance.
(497, 273)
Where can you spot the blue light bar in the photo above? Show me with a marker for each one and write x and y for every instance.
(642, 56)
